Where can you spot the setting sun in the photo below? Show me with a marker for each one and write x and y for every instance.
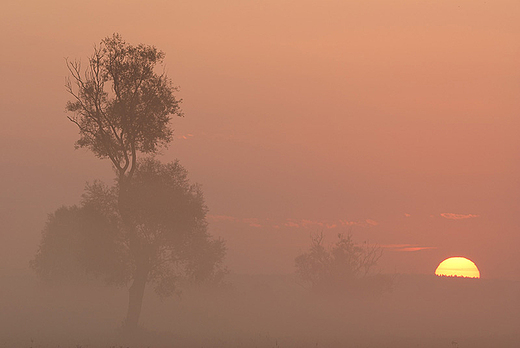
(458, 267)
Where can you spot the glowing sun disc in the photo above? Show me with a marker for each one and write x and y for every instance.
(458, 267)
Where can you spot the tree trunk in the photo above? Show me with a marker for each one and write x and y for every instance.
(138, 256)
(135, 301)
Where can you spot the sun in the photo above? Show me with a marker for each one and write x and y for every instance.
(458, 267)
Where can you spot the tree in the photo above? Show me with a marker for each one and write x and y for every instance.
(170, 221)
(122, 108)
(78, 243)
(343, 267)
(120, 104)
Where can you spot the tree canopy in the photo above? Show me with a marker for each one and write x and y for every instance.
(121, 104)
(344, 266)
(78, 242)
(170, 217)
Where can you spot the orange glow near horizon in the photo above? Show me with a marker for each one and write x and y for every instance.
(458, 267)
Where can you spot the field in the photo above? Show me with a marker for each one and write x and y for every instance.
(265, 311)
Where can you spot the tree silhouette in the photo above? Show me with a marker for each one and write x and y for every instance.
(120, 104)
(122, 108)
(343, 267)
(171, 232)
(78, 242)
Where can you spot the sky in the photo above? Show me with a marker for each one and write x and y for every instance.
(396, 121)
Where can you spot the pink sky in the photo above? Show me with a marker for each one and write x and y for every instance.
(402, 113)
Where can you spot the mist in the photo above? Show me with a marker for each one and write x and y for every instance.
(390, 124)
(267, 311)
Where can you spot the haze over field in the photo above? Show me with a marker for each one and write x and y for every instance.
(395, 121)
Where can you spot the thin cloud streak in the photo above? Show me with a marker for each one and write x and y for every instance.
(407, 247)
(292, 223)
(452, 216)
